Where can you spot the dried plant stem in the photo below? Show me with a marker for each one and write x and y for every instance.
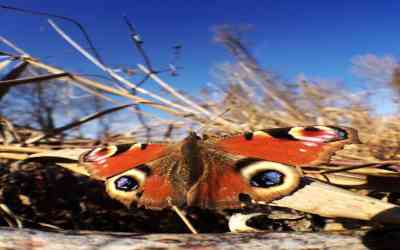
(274, 95)
(10, 217)
(93, 84)
(12, 45)
(172, 91)
(4, 64)
(13, 82)
(181, 97)
(184, 219)
(13, 156)
(192, 109)
(20, 149)
(116, 76)
(107, 98)
(76, 123)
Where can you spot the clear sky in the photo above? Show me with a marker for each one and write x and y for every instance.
(317, 38)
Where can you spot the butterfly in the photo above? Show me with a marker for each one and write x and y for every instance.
(214, 172)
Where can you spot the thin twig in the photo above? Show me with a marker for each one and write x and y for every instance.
(107, 98)
(137, 41)
(12, 45)
(4, 64)
(102, 87)
(10, 83)
(10, 215)
(184, 219)
(80, 26)
(20, 149)
(115, 75)
(172, 91)
(86, 119)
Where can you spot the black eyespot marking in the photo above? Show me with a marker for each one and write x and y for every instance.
(242, 163)
(280, 133)
(144, 168)
(266, 179)
(143, 146)
(311, 128)
(126, 183)
(342, 134)
(245, 198)
(248, 135)
(122, 148)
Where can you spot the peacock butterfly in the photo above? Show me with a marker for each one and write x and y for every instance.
(214, 172)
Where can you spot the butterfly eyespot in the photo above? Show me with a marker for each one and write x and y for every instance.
(126, 183)
(340, 134)
(127, 186)
(318, 133)
(267, 179)
(270, 180)
(99, 154)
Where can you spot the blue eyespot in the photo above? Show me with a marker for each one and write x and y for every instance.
(126, 183)
(267, 179)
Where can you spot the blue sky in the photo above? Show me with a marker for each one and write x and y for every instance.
(317, 38)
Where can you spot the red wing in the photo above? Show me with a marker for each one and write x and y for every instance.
(219, 188)
(137, 175)
(298, 146)
(146, 185)
(228, 183)
(105, 162)
(157, 190)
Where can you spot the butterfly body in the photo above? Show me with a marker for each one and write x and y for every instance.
(214, 173)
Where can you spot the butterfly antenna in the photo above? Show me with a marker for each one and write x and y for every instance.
(184, 219)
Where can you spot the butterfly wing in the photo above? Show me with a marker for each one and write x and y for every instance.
(107, 161)
(258, 167)
(299, 146)
(135, 173)
(229, 182)
(148, 185)
(211, 174)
